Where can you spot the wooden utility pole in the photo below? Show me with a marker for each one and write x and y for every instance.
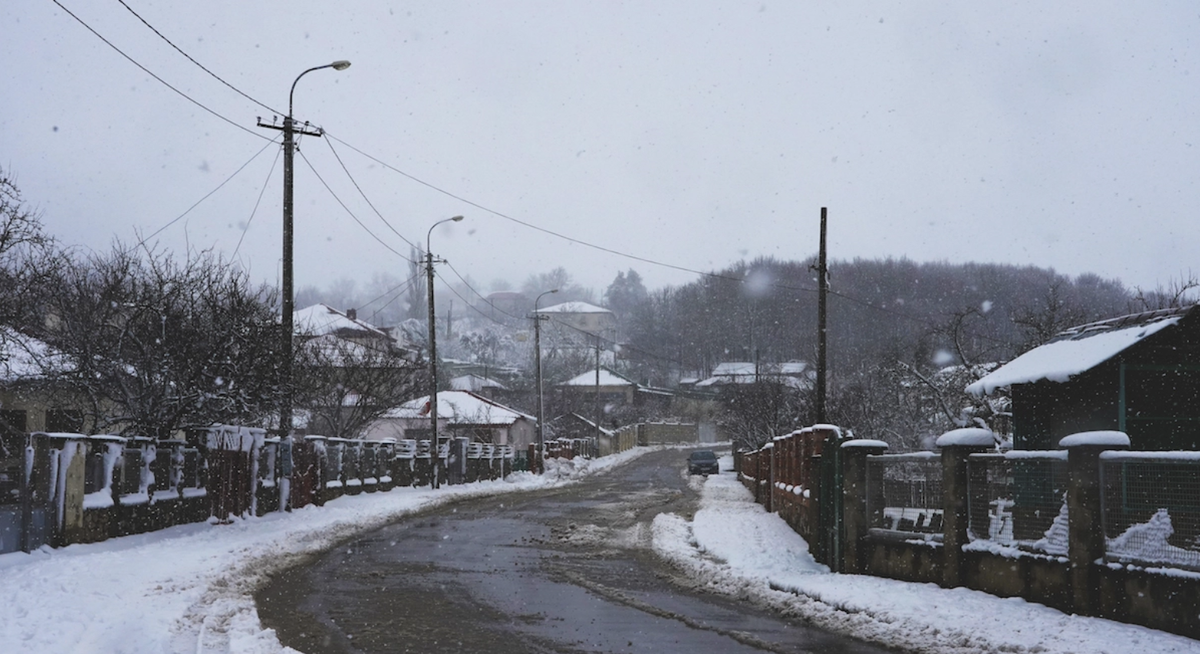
(822, 317)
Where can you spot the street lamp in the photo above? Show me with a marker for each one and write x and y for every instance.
(288, 308)
(537, 349)
(433, 384)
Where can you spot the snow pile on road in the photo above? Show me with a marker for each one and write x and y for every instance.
(736, 548)
(189, 588)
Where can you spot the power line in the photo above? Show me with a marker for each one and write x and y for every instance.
(189, 58)
(206, 196)
(529, 225)
(364, 195)
(257, 202)
(348, 211)
(156, 77)
(551, 318)
(707, 274)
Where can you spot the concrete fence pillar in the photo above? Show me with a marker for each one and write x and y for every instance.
(957, 446)
(1084, 511)
(855, 486)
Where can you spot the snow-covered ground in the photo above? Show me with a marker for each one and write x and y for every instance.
(741, 550)
(188, 589)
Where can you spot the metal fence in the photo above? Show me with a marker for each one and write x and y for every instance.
(904, 492)
(1018, 499)
(1151, 508)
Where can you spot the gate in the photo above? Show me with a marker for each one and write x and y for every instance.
(231, 479)
(305, 471)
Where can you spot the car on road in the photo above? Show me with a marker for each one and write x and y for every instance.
(703, 462)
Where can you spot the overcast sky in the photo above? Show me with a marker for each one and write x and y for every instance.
(1063, 135)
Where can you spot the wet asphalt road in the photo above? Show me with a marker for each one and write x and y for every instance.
(561, 570)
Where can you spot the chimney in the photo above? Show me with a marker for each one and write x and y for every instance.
(352, 314)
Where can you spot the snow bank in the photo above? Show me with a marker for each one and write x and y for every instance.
(736, 548)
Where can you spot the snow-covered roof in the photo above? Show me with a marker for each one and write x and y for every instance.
(574, 307)
(25, 357)
(461, 408)
(734, 368)
(607, 378)
(474, 383)
(321, 319)
(1077, 350)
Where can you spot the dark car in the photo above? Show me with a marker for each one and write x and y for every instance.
(703, 462)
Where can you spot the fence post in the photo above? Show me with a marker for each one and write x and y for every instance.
(957, 446)
(855, 502)
(1084, 511)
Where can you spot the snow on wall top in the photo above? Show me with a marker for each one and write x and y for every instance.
(1075, 352)
(574, 307)
(967, 437)
(1104, 438)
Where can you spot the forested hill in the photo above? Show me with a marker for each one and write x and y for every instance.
(925, 314)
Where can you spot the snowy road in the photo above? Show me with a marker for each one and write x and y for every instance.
(562, 570)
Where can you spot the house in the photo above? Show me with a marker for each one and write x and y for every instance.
(460, 414)
(795, 374)
(612, 389)
(320, 320)
(478, 385)
(503, 304)
(579, 320)
(1139, 374)
(348, 371)
(31, 398)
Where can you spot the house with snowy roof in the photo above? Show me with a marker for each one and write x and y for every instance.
(580, 319)
(611, 388)
(1139, 374)
(323, 321)
(460, 414)
(31, 396)
(795, 374)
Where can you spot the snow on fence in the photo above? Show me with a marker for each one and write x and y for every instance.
(904, 492)
(1019, 499)
(1151, 508)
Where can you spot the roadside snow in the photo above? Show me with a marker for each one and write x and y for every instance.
(189, 588)
(745, 552)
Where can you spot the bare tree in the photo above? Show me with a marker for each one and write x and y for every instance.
(1179, 293)
(160, 345)
(346, 384)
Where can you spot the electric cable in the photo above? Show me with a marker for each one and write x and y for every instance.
(206, 196)
(257, 202)
(348, 211)
(364, 195)
(156, 77)
(200, 65)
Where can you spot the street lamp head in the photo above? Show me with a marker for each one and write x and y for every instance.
(457, 219)
(340, 64)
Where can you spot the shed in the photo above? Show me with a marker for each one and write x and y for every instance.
(1139, 374)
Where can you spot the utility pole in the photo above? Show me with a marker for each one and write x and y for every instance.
(433, 380)
(596, 395)
(537, 349)
(287, 307)
(822, 316)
